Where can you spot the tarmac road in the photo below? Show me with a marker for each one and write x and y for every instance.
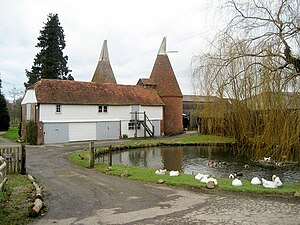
(81, 196)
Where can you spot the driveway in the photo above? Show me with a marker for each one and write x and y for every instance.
(81, 196)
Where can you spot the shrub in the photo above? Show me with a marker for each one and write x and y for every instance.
(31, 133)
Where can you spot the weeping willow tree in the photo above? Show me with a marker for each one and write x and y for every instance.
(254, 69)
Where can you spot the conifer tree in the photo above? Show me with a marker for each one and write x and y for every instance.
(50, 63)
(4, 116)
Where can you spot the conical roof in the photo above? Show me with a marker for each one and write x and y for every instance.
(163, 74)
(104, 72)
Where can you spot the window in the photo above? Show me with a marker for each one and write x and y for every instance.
(102, 108)
(131, 126)
(28, 111)
(58, 109)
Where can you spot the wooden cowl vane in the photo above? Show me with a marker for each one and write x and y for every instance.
(104, 73)
(169, 91)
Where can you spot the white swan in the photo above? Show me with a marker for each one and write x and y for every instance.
(174, 173)
(199, 176)
(278, 181)
(268, 184)
(236, 182)
(160, 172)
(255, 181)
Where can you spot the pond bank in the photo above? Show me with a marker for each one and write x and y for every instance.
(186, 139)
(184, 180)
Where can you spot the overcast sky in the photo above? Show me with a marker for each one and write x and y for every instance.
(134, 30)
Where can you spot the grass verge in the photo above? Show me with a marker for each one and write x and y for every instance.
(184, 180)
(12, 134)
(14, 203)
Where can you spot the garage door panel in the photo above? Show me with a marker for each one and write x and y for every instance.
(56, 133)
(82, 131)
(108, 130)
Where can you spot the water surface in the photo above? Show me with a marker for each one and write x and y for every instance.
(197, 159)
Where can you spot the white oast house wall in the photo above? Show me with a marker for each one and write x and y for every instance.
(82, 113)
(84, 122)
(67, 111)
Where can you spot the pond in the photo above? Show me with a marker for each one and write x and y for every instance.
(218, 161)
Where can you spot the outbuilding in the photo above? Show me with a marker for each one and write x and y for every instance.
(67, 111)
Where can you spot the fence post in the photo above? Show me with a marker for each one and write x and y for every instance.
(23, 159)
(110, 156)
(92, 155)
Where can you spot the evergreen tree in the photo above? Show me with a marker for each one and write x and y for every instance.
(50, 63)
(4, 116)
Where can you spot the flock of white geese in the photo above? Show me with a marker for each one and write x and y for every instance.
(275, 182)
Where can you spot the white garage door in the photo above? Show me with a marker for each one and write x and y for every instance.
(82, 131)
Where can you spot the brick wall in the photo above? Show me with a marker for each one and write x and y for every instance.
(172, 114)
(35, 117)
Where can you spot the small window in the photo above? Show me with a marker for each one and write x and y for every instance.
(102, 108)
(58, 108)
(28, 111)
(131, 126)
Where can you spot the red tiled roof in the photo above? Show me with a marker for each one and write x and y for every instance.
(77, 92)
(163, 76)
(146, 81)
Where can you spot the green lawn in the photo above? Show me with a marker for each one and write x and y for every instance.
(12, 134)
(202, 138)
(14, 203)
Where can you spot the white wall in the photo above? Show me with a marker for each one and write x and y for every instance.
(89, 113)
(153, 112)
(29, 97)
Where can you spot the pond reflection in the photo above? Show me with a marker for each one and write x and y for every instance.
(219, 161)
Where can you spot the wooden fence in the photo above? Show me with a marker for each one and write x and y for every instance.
(15, 158)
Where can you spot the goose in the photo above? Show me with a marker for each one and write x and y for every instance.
(236, 182)
(199, 176)
(237, 174)
(160, 172)
(255, 181)
(174, 173)
(231, 176)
